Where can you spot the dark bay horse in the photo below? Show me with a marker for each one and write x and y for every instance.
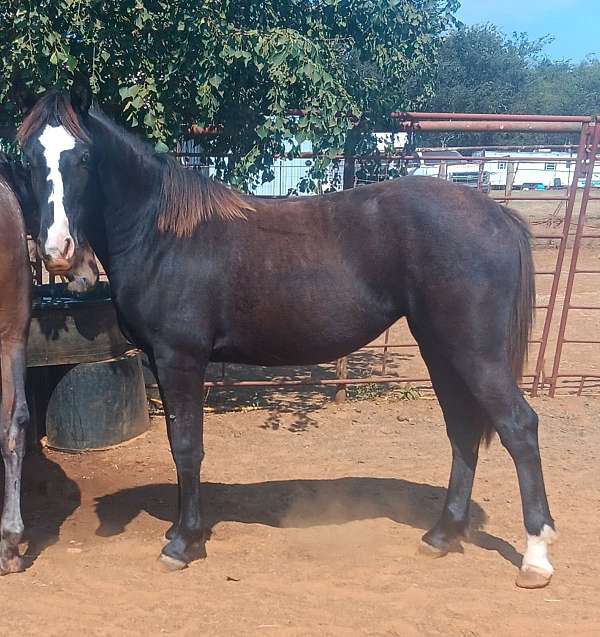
(202, 273)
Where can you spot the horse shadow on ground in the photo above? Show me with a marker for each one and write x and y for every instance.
(49, 498)
(299, 504)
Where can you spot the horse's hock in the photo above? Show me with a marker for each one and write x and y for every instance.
(85, 384)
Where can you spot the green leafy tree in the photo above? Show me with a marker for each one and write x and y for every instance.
(563, 88)
(482, 70)
(162, 65)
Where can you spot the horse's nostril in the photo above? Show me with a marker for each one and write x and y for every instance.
(68, 248)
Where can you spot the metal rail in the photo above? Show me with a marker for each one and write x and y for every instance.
(590, 142)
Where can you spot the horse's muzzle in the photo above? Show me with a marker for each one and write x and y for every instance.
(57, 265)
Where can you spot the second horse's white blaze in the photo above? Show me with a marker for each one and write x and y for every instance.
(536, 553)
(55, 140)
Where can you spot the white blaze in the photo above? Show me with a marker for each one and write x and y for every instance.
(536, 554)
(55, 140)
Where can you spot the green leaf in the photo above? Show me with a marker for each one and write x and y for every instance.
(161, 147)
(169, 62)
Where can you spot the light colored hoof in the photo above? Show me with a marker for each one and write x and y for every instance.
(171, 564)
(431, 551)
(533, 578)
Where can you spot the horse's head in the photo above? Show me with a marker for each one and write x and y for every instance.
(83, 273)
(57, 146)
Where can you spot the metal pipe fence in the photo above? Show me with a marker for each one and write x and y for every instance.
(393, 358)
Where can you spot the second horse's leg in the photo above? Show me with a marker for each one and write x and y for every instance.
(14, 418)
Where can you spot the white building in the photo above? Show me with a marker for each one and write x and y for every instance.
(554, 169)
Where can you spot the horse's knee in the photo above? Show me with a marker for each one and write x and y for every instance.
(519, 434)
(20, 419)
(12, 434)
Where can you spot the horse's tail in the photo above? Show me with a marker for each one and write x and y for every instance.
(521, 321)
(523, 307)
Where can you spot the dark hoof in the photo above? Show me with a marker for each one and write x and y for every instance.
(11, 565)
(171, 564)
(178, 553)
(428, 550)
(533, 578)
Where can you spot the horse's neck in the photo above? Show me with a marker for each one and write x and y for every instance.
(129, 183)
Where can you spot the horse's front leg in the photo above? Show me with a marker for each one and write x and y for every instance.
(14, 418)
(181, 381)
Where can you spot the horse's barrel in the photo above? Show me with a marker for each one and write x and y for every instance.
(85, 379)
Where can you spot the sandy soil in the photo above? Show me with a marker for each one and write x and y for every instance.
(316, 513)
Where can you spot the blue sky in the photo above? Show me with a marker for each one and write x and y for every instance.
(575, 24)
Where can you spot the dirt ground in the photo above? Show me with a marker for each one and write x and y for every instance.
(316, 514)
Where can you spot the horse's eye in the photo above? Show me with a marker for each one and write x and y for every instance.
(85, 157)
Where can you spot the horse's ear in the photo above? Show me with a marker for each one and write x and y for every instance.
(22, 95)
(81, 93)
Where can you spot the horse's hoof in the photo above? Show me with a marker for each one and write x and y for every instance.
(171, 564)
(431, 551)
(533, 578)
(12, 565)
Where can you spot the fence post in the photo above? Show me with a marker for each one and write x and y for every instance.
(341, 365)
(341, 372)
(591, 150)
(570, 207)
(511, 173)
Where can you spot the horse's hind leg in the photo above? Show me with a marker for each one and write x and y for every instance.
(465, 427)
(14, 417)
(491, 382)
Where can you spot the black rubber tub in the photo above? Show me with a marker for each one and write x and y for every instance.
(85, 381)
(67, 329)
